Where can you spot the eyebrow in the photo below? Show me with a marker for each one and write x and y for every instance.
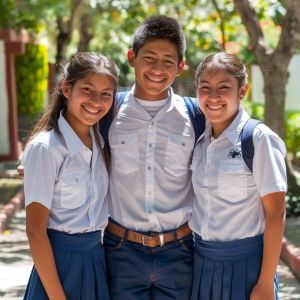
(205, 81)
(151, 52)
(88, 83)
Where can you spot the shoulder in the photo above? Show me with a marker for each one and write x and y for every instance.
(49, 143)
(263, 134)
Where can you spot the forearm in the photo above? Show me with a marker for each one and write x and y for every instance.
(43, 258)
(274, 227)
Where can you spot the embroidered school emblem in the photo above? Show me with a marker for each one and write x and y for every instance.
(234, 153)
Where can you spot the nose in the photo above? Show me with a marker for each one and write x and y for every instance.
(214, 95)
(157, 67)
(96, 99)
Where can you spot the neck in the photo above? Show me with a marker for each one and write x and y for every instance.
(81, 129)
(219, 128)
(142, 94)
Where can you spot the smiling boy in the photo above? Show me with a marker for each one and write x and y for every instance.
(149, 246)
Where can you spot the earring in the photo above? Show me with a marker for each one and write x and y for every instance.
(241, 96)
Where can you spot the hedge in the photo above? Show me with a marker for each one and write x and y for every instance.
(31, 79)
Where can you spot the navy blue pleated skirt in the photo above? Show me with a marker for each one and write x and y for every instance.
(227, 270)
(80, 263)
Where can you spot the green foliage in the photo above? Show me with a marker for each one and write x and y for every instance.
(292, 204)
(31, 78)
(292, 139)
(12, 18)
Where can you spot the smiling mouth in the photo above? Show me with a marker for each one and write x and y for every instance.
(92, 111)
(155, 79)
(216, 107)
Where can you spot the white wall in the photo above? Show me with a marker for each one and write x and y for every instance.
(292, 99)
(4, 131)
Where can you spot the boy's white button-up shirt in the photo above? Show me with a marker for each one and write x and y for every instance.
(58, 175)
(150, 184)
(228, 204)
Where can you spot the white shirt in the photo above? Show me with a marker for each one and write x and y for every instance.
(58, 175)
(150, 184)
(152, 107)
(228, 203)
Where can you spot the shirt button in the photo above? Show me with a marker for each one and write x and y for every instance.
(204, 235)
(150, 145)
(76, 179)
(149, 167)
(93, 206)
(86, 149)
(213, 145)
(207, 214)
(122, 142)
(207, 167)
(92, 228)
(152, 123)
(154, 226)
(149, 211)
(183, 144)
(149, 193)
(204, 191)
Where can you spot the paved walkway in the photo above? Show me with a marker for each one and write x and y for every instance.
(16, 264)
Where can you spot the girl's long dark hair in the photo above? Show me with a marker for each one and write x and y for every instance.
(78, 67)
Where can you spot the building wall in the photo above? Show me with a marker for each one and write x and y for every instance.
(292, 100)
(4, 130)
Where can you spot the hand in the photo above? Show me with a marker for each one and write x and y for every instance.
(20, 170)
(263, 291)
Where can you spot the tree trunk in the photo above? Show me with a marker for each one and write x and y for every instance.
(274, 89)
(85, 35)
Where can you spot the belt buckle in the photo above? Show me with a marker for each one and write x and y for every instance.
(161, 237)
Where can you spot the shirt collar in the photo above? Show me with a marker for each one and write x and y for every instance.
(73, 142)
(233, 131)
(136, 106)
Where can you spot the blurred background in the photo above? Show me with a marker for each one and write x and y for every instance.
(36, 35)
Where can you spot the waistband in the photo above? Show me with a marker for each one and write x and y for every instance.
(233, 250)
(149, 239)
(77, 242)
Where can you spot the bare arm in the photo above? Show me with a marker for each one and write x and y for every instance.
(20, 170)
(36, 228)
(274, 206)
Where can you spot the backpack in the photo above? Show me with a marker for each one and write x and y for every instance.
(196, 116)
(247, 142)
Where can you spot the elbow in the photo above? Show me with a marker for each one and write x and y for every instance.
(33, 233)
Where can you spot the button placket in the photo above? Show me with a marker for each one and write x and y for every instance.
(149, 177)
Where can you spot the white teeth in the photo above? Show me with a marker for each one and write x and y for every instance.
(215, 107)
(92, 111)
(155, 79)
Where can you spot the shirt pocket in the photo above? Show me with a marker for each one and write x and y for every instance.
(126, 149)
(178, 154)
(232, 180)
(74, 188)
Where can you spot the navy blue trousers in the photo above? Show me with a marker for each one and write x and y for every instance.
(80, 263)
(137, 272)
(227, 270)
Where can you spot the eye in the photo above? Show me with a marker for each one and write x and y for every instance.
(87, 89)
(149, 57)
(204, 87)
(169, 62)
(107, 94)
(224, 87)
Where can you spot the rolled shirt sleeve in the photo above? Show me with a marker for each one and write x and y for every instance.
(269, 169)
(40, 172)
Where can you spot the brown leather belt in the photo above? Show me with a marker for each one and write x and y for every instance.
(156, 239)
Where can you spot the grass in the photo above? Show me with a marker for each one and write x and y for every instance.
(9, 187)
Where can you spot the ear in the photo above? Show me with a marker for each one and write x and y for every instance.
(243, 92)
(131, 58)
(180, 67)
(65, 89)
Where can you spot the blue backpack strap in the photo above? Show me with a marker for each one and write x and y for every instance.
(105, 129)
(197, 117)
(247, 142)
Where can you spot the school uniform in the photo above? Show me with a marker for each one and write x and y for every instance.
(228, 216)
(149, 247)
(58, 175)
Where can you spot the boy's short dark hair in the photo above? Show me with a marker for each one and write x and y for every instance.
(159, 27)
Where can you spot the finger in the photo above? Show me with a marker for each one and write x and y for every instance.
(20, 170)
